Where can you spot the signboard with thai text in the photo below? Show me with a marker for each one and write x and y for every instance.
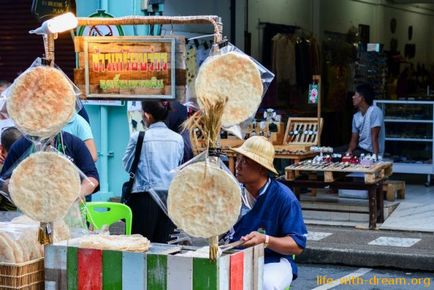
(129, 68)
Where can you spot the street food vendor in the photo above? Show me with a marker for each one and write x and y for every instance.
(271, 213)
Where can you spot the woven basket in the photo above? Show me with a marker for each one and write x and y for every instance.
(28, 275)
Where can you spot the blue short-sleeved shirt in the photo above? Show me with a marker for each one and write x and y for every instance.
(278, 212)
(78, 126)
(73, 146)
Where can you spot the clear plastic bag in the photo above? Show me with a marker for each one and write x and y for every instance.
(211, 205)
(36, 120)
(18, 243)
(51, 206)
(266, 79)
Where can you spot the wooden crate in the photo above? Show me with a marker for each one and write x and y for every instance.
(332, 171)
(302, 133)
(28, 275)
(392, 187)
(72, 268)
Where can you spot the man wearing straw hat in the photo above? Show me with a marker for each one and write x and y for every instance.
(271, 213)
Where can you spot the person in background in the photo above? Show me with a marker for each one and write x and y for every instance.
(271, 213)
(368, 132)
(162, 151)
(78, 126)
(177, 116)
(5, 121)
(84, 114)
(4, 85)
(8, 137)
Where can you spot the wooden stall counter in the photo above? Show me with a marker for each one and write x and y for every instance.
(164, 267)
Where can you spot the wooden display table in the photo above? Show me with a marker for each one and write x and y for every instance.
(295, 156)
(300, 176)
(332, 171)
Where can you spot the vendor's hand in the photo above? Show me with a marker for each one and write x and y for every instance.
(253, 239)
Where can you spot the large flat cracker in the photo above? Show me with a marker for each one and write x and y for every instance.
(6, 251)
(204, 200)
(41, 101)
(132, 243)
(44, 186)
(233, 76)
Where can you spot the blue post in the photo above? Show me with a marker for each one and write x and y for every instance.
(104, 151)
(104, 133)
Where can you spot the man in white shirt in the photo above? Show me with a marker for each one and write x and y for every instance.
(368, 124)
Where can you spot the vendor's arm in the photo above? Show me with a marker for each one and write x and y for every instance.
(375, 133)
(282, 245)
(354, 137)
(90, 144)
(353, 143)
(88, 186)
(376, 121)
(83, 160)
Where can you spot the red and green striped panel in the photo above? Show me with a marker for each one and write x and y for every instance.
(109, 270)
(89, 269)
(156, 272)
(112, 270)
(237, 271)
(72, 268)
(204, 274)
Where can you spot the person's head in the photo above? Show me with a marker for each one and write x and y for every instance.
(255, 160)
(4, 85)
(364, 95)
(8, 138)
(155, 111)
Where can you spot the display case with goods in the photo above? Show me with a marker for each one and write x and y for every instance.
(409, 135)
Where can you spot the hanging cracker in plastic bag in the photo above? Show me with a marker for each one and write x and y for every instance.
(229, 73)
(44, 186)
(42, 100)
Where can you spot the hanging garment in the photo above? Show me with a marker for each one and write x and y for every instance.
(283, 59)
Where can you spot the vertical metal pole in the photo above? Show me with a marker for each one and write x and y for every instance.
(104, 188)
(104, 150)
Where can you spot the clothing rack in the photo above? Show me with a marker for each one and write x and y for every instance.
(336, 34)
(283, 27)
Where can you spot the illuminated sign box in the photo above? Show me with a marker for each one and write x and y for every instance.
(129, 68)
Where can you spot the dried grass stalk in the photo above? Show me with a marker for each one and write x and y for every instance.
(208, 121)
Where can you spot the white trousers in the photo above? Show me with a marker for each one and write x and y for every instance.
(277, 276)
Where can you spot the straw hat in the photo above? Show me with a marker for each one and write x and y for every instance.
(260, 150)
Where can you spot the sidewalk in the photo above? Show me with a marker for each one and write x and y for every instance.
(404, 241)
(354, 247)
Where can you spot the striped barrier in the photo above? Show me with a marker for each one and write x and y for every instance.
(75, 268)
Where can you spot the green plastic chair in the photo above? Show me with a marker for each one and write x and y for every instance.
(107, 213)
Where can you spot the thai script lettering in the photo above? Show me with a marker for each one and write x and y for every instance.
(130, 61)
(116, 83)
